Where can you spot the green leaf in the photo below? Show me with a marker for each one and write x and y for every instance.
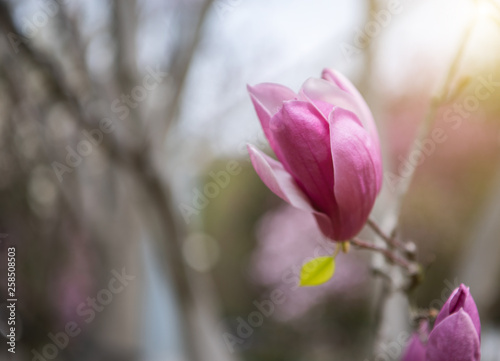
(317, 271)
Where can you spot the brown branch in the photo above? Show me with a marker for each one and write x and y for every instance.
(391, 241)
(180, 68)
(61, 90)
(389, 254)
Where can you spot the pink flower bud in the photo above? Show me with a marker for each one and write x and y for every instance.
(456, 334)
(326, 142)
(454, 339)
(457, 331)
(460, 298)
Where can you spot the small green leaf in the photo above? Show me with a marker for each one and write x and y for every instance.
(317, 271)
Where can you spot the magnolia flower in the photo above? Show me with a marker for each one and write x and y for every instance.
(326, 142)
(456, 335)
(457, 331)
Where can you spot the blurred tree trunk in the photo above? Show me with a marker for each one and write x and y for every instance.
(132, 193)
(390, 308)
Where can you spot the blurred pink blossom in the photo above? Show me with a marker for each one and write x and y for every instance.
(287, 238)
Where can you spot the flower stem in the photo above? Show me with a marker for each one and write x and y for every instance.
(337, 250)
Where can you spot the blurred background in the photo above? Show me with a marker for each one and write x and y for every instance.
(127, 191)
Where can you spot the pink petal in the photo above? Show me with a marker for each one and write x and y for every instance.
(362, 109)
(304, 140)
(454, 339)
(322, 107)
(460, 298)
(355, 174)
(337, 79)
(281, 183)
(315, 89)
(267, 99)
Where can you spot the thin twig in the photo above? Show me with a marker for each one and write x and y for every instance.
(393, 216)
(389, 254)
(181, 64)
(391, 241)
(428, 121)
